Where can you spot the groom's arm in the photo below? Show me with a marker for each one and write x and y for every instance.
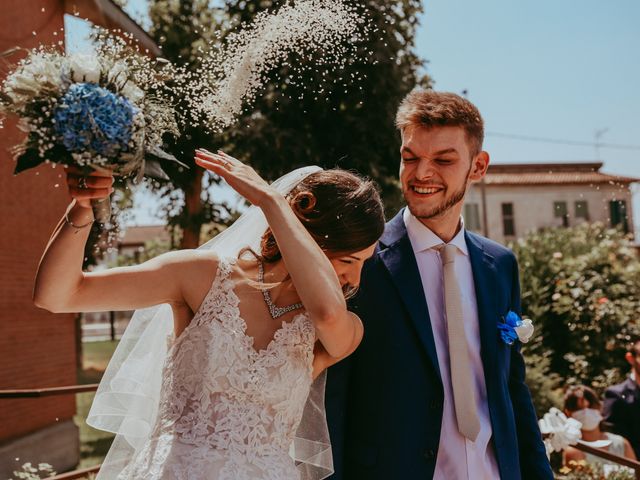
(533, 458)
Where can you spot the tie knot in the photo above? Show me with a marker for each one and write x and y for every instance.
(447, 253)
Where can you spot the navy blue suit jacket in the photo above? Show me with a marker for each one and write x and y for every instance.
(621, 410)
(384, 403)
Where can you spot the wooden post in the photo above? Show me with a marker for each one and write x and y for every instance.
(112, 324)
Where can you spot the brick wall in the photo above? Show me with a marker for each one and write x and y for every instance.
(37, 348)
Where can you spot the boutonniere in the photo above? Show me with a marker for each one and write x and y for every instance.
(515, 328)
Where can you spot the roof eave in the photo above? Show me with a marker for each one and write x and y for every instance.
(107, 14)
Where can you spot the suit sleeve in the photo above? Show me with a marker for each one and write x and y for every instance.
(534, 463)
(336, 406)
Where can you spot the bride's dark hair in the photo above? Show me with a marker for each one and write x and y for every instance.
(341, 210)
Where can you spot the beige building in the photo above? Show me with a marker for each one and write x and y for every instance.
(515, 199)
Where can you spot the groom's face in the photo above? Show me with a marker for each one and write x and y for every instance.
(436, 167)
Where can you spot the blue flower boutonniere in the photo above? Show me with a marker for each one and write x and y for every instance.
(515, 328)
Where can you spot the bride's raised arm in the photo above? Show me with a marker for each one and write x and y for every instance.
(62, 286)
(313, 275)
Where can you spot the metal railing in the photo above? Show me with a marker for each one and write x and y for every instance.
(76, 474)
(626, 462)
(47, 392)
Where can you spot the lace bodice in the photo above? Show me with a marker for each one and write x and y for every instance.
(228, 411)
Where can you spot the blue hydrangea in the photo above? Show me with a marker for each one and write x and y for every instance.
(91, 118)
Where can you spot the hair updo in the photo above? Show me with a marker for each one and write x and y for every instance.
(341, 210)
(574, 393)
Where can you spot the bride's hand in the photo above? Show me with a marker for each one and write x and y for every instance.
(242, 178)
(83, 188)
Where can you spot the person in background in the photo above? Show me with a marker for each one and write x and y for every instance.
(621, 409)
(583, 404)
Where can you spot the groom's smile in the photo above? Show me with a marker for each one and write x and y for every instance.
(425, 191)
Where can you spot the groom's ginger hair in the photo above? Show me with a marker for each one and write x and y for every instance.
(428, 108)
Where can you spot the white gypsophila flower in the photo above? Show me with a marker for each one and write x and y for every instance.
(91, 159)
(118, 73)
(525, 330)
(23, 81)
(32, 77)
(132, 92)
(120, 76)
(38, 73)
(231, 77)
(84, 68)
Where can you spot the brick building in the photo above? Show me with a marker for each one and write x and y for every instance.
(37, 348)
(515, 199)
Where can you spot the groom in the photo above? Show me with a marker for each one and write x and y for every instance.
(433, 391)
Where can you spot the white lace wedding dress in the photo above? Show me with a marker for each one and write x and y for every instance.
(228, 411)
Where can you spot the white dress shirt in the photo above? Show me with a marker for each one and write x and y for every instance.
(458, 457)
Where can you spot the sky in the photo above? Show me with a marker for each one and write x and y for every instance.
(558, 70)
(553, 69)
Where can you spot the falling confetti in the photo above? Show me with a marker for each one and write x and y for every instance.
(230, 77)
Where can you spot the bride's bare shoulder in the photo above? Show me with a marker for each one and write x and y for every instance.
(196, 262)
(196, 269)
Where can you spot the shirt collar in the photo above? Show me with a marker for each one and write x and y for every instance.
(422, 238)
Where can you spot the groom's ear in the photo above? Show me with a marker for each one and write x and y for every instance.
(479, 166)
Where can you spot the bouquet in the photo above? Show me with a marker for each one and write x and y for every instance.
(109, 110)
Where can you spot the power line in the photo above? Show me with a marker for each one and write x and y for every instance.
(563, 142)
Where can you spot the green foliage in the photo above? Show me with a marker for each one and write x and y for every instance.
(542, 383)
(348, 121)
(184, 30)
(581, 287)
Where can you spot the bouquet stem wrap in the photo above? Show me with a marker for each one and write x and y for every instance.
(102, 209)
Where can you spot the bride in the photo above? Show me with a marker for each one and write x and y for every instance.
(223, 379)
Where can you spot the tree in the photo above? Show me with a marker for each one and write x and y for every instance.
(335, 117)
(581, 287)
(184, 30)
(349, 123)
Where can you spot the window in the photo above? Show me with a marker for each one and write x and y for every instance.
(582, 209)
(472, 216)
(508, 222)
(560, 211)
(619, 215)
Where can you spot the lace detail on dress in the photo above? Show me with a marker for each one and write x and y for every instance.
(226, 410)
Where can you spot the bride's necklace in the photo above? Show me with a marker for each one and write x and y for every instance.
(274, 310)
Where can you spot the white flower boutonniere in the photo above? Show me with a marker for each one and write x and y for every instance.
(524, 330)
(513, 327)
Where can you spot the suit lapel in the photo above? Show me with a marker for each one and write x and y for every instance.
(397, 256)
(485, 278)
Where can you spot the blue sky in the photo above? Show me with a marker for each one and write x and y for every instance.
(558, 69)
(550, 68)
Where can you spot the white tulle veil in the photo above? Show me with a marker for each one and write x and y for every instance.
(127, 399)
